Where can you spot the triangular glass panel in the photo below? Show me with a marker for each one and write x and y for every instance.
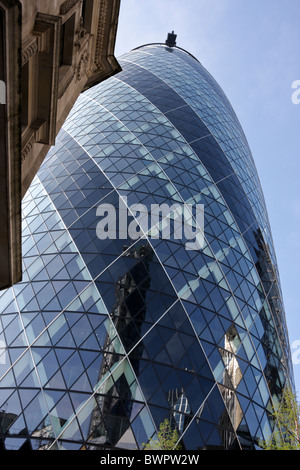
(12, 308)
(32, 306)
(66, 341)
(12, 443)
(19, 341)
(18, 427)
(27, 396)
(127, 441)
(82, 384)
(56, 382)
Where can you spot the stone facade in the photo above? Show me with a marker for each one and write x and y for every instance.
(50, 53)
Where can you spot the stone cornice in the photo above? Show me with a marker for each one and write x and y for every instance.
(103, 20)
(29, 51)
(67, 6)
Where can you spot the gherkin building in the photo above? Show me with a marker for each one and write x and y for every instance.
(108, 336)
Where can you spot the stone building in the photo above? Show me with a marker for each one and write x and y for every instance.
(49, 53)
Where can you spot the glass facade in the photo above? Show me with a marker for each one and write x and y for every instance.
(105, 338)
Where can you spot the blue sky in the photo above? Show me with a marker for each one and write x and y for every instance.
(252, 48)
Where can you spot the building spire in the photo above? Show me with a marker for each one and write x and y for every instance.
(171, 39)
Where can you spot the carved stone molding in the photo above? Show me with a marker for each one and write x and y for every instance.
(101, 34)
(82, 65)
(33, 135)
(28, 147)
(67, 5)
(29, 51)
(81, 37)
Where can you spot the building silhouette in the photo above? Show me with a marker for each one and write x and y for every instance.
(106, 337)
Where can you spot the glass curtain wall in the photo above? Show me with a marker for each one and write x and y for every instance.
(108, 336)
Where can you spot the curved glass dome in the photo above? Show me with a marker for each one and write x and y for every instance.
(107, 336)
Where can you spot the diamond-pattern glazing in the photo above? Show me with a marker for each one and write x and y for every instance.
(104, 339)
